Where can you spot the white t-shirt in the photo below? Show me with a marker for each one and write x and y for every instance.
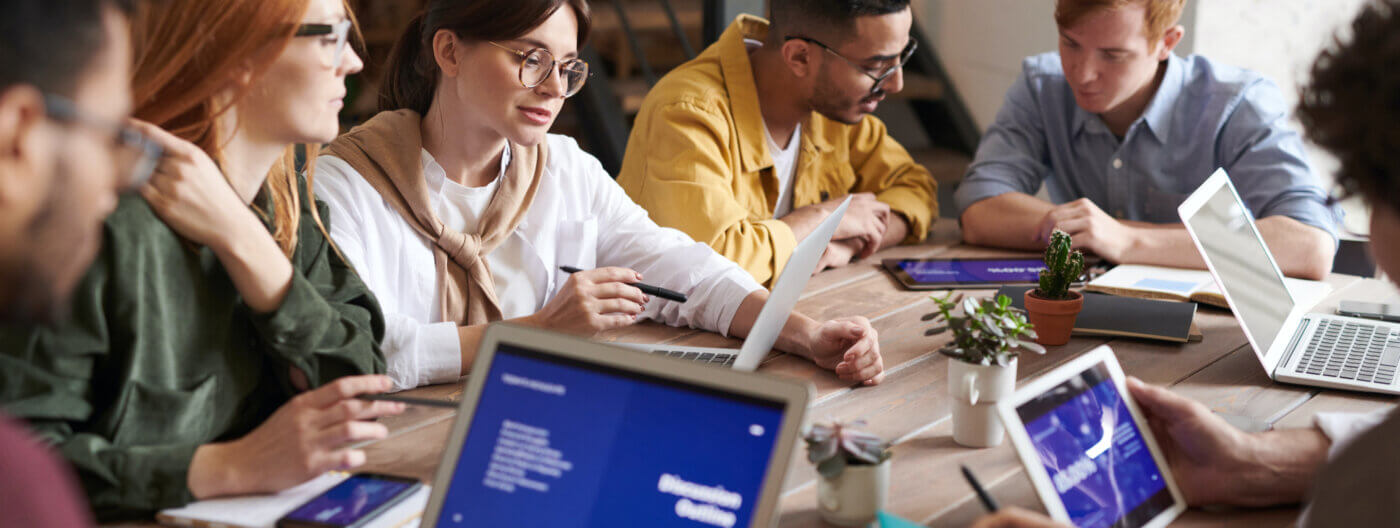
(460, 209)
(784, 168)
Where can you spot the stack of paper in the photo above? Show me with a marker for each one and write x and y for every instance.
(262, 511)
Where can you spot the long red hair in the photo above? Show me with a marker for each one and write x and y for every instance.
(188, 54)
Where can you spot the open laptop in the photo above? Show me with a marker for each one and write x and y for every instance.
(775, 312)
(559, 431)
(1294, 345)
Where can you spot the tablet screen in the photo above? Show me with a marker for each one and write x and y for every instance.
(1094, 453)
(963, 271)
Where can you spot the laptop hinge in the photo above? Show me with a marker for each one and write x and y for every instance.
(1293, 343)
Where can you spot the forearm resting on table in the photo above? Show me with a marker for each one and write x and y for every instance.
(1284, 465)
(1300, 250)
(1007, 220)
(796, 336)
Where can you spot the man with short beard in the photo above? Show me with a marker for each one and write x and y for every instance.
(65, 152)
(752, 144)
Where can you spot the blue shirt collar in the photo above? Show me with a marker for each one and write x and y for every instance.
(1157, 115)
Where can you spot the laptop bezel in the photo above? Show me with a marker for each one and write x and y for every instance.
(794, 394)
(1188, 209)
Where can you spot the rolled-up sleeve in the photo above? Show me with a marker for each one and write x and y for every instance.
(329, 324)
(1266, 160)
(1013, 155)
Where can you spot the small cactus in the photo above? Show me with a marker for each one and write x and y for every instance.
(1062, 267)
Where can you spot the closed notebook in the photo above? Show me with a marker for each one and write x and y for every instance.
(1176, 284)
(1107, 315)
(263, 511)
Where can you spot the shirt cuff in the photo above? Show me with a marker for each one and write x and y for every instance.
(915, 210)
(421, 354)
(784, 243)
(284, 327)
(160, 476)
(973, 190)
(1341, 427)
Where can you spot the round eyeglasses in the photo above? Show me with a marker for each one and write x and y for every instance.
(882, 75)
(135, 154)
(536, 65)
(337, 34)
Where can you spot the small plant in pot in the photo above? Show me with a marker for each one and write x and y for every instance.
(987, 338)
(855, 472)
(1053, 307)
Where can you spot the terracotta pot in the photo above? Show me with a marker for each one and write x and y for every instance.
(854, 496)
(1053, 320)
(976, 389)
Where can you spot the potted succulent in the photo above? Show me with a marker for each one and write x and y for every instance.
(987, 338)
(855, 472)
(1052, 306)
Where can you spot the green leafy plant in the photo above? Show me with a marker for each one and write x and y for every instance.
(989, 330)
(835, 445)
(1062, 268)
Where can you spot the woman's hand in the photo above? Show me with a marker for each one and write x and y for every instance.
(592, 301)
(191, 195)
(307, 436)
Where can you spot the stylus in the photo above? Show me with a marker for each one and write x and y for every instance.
(987, 501)
(410, 400)
(646, 288)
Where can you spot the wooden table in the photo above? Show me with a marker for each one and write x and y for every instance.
(912, 406)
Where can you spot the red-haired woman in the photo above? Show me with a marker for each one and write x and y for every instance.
(217, 296)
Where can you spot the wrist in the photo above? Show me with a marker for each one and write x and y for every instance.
(210, 473)
(800, 336)
(228, 241)
(1281, 465)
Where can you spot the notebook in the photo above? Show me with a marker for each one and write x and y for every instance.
(262, 511)
(1107, 315)
(1176, 284)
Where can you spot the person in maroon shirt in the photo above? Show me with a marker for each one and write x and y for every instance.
(65, 154)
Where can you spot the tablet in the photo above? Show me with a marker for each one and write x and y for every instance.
(1087, 449)
(946, 273)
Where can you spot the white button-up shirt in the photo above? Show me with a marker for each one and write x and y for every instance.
(580, 217)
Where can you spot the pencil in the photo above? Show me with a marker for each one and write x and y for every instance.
(987, 501)
(447, 404)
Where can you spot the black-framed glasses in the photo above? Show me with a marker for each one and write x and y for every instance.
(536, 65)
(337, 34)
(136, 154)
(880, 77)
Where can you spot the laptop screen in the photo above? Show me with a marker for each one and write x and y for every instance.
(559, 442)
(1257, 293)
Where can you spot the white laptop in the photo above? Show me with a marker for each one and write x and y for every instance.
(1293, 344)
(555, 430)
(775, 312)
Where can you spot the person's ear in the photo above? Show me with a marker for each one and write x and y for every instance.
(799, 57)
(1170, 40)
(21, 148)
(445, 48)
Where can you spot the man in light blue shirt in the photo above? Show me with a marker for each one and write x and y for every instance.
(1120, 131)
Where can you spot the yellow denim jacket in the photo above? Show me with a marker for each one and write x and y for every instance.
(698, 160)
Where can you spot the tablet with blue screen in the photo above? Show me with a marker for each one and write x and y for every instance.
(1089, 453)
(945, 273)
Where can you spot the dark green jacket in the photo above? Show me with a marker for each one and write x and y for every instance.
(161, 355)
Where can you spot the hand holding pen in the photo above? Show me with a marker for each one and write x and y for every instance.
(593, 301)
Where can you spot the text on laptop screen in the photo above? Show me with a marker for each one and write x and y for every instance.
(973, 271)
(1255, 289)
(1094, 453)
(558, 442)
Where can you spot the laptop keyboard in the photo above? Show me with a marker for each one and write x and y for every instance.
(1352, 351)
(703, 357)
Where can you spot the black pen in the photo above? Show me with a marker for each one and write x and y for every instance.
(987, 501)
(410, 400)
(648, 289)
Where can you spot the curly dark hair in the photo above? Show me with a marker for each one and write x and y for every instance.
(1352, 106)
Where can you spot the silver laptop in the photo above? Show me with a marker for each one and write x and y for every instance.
(1293, 344)
(775, 312)
(555, 430)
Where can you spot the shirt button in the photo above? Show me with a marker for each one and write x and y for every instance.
(1117, 163)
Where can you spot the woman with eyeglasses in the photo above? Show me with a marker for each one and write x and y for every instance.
(458, 209)
(217, 300)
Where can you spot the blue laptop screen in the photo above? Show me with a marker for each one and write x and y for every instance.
(558, 442)
(1094, 453)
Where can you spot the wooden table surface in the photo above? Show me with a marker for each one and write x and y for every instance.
(913, 408)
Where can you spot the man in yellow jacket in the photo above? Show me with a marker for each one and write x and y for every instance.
(750, 145)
